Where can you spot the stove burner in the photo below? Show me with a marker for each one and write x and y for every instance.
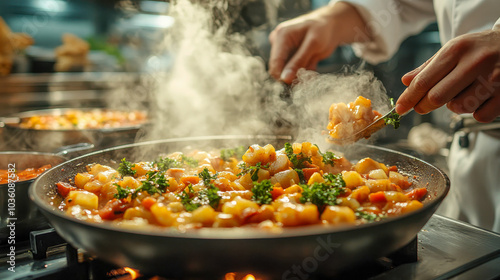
(439, 257)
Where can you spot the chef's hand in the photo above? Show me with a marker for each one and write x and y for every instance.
(304, 41)
(464, 74)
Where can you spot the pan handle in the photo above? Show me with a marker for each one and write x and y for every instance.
(7, 120)
(74, 150)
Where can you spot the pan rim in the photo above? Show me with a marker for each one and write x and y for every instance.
(240, 233)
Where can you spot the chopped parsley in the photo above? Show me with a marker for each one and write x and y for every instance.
(262, 192)
(189, 161)
(322, 194)
(206, 176)
(122, 193)
(369, 217)
(125, 168)
(297, 160)
(210, 196)
(336, 180)
(328, 157)
(227, 154)
(393, 118)
(187, 199)
(252, 169)
(302, 178)
(166, 163)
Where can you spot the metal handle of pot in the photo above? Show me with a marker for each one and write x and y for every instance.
(5, 120)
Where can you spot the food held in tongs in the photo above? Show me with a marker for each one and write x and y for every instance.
(349, 123)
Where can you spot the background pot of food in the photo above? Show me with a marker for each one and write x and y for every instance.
(50, 129)
(18, 169)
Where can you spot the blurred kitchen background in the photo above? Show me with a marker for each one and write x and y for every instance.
(123, 35)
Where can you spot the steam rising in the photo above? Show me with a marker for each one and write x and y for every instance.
(215, 86)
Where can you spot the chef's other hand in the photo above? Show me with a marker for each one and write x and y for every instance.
(464, 74)
(304, 41)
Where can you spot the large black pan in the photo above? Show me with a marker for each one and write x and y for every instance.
(46, 140)
(293, 253)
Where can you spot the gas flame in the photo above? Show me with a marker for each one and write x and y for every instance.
(134, 274)
(232, 275)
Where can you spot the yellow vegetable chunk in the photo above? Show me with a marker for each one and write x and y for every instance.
(82, 178)
(366, 165)
(239, 207)
(256, 153)
(352, 179)
(286, 178)
(85, 199)
(204, 215)
(162, 214)
(280, 164)
(338, 215)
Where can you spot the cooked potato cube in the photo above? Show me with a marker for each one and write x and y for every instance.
(85, 199)
(338, 215)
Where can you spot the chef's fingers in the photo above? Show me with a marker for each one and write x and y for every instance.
(301, 58)
(488, 111)
(425, 80)
(460, 81)
(470, 99)
(408, 77)
(281, 51)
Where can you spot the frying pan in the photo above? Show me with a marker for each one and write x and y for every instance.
(291, 254)
(46, 140)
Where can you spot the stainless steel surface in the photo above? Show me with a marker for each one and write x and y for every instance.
(448, 248)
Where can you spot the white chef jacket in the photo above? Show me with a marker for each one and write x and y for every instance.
(475, 170)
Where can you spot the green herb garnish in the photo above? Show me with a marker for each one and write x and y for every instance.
(210, 196)
(125, 168)
(206, 176)
(187, 199)
(297, 160)
(393, 118)
(262, 192)
(322, 194)
(122, 193)
(166, 163)
(328, 157)
(252, 169)
(237, 153)
(189, 161)
(369, 217)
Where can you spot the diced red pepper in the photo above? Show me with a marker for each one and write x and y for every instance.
(64, 188)
(276, 192)
(148, 202)
(193, 180)
(417, 194)
(309, 171)
(377, 197)
(114, 209)
(393, 168)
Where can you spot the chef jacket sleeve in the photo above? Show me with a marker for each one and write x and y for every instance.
(390, 22)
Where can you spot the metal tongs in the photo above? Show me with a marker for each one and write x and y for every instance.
(367, 131)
